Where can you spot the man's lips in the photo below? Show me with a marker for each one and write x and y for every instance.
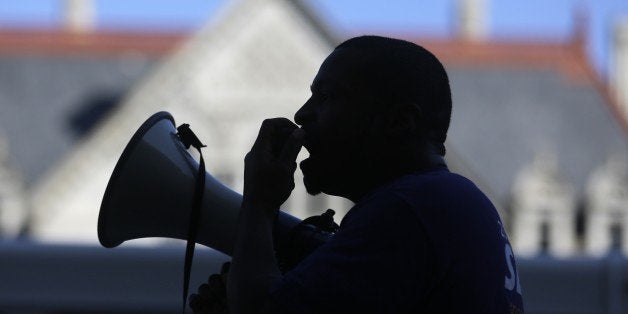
(308, 148)
(311, 142)
(307, 143)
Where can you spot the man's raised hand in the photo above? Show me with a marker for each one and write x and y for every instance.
(269, 166)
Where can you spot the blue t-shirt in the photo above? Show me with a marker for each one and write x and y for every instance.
(430, 242)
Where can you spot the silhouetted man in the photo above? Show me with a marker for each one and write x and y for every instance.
(419, 239)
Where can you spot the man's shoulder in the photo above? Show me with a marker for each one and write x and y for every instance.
(433, 180)
(437, 200)
(435, 187)
(442, 201)
(424, 188)
(417, 189)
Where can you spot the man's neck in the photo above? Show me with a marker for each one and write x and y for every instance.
(370, 181)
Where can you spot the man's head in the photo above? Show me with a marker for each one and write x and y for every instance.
(379, 108)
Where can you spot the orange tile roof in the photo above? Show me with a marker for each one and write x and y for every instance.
(568, 57)
(62, 42)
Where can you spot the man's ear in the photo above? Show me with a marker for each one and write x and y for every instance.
(404, 119)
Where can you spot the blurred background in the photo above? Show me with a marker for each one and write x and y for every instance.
(539, 122)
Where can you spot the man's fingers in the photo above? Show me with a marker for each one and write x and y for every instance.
(268, 130)
(292, 147)
(264, 136)
(204, 290)
(225, 268)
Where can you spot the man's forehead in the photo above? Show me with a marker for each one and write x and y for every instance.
(338, 71)
(328, 80)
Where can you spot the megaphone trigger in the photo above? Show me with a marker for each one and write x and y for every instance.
(188, 138)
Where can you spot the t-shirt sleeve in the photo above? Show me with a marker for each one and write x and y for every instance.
(377, 262)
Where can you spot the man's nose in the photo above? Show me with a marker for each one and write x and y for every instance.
(304, 114)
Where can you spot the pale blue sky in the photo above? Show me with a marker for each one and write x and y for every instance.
(507, 18)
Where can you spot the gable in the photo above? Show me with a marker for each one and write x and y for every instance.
(256, 61)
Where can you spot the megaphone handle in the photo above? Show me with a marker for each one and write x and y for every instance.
(193, 226)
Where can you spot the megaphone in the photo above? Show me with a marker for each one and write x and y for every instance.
(150, 194)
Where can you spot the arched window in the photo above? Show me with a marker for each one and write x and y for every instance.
(607, 207)
(544, 212)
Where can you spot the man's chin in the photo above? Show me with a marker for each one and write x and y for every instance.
(311, 178)
(311, 188)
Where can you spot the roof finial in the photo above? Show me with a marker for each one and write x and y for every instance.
(580, 26)
(618, 69)
(472, 19)
(79, 15)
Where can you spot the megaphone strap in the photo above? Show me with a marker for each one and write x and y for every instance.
(189, 139)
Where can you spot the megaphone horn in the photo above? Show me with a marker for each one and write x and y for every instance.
(151, 188)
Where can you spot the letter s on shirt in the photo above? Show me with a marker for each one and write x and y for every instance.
(511, 280)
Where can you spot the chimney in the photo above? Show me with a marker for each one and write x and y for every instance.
(618, 69)
(472, 19)
(79, 15)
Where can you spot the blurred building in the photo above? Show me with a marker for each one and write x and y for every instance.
(256, 61)
(534, 125)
